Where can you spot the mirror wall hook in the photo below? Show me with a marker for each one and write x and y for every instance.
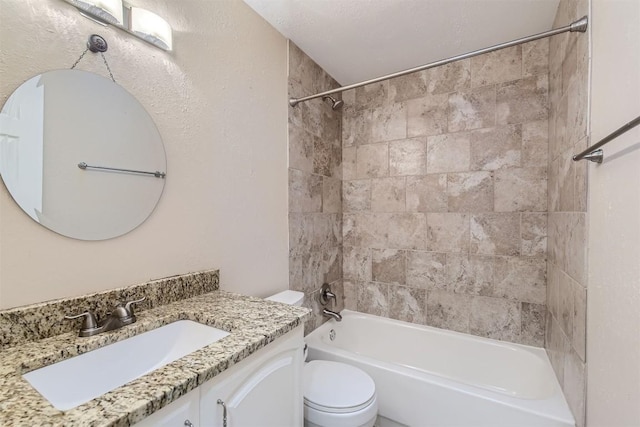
(97, 43)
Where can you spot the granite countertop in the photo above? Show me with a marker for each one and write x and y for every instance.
(252, 323)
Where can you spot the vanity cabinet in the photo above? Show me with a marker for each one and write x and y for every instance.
(264, 389)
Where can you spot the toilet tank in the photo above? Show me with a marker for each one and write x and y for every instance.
(288, 297)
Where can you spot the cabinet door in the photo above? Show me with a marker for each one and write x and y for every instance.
(176, 414)
(265, 392)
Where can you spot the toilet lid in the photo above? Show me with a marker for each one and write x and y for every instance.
(337, 387)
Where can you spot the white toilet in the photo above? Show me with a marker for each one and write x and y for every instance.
(335, 394)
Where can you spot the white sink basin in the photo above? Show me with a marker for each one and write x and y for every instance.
(75, 381)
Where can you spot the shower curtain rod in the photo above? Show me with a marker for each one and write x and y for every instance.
(578, 26)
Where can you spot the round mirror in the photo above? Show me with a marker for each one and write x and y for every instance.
(80, 155)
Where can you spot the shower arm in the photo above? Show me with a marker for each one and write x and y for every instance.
(578, 26)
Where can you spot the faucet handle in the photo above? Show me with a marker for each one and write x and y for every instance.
(128, 306)
(89, 321)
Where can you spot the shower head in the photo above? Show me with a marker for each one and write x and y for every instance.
(335, 103)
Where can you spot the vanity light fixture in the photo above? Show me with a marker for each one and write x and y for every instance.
(150, 27)
(105, 10)
(139, 22)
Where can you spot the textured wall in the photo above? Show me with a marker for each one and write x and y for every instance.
(219, 101)
(613, 330)
(315, 172)
(445, 195)
(567, 272)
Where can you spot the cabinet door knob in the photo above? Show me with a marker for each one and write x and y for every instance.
(224, 412)
(188, 423)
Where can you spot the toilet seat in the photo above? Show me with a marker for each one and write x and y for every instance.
(337, 388)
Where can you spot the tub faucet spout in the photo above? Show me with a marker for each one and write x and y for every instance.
(332, 314)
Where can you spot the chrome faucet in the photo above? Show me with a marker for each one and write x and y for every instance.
(121, 316)
(325, 296)
(332, 314)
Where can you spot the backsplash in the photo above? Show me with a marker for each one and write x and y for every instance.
(445, 195)
(46, 319)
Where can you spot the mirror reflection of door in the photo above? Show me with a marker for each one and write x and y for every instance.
(81, 117)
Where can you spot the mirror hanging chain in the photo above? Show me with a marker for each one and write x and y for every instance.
(96, 44)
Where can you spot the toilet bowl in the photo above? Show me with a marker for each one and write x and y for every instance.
(335, 394)
(338, 395)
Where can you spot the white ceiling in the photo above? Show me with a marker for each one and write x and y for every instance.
(356, 40)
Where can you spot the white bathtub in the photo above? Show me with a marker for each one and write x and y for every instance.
(432, 377)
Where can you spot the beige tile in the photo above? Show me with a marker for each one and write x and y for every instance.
(535, 58)
(296, 275)
(322, 157)
(373, 298)
(448, 310)
(565, 304)
(300, 149)
(472, 109)
(327, 231)
(312, 274)
(388, 266)
(372, 161)
(566, 183)
(448, 153)
(580, 172)
(356, 127)
(495, 234)
(521, 278)
(574, 386)
(448, 232)
(411, 86)
(553, 289)
(300, 233)
(356, 264)
(561, 140)
(372, 95)
(496, 148)
(575, 247)
(361, 229)
(405, 230)
(470, 274)
(302, 68)
(331, 195)
(450, 77)
(470, 192)
(349, 163)
(427, 116)
(427, 193)
(577, 100)
(533, 320)
(408, 157)
(495, 318)
(578, 338)
(305, 192)
(388, 194)
(385, 230)
(535, 143)
(522, 100)
(553, 186)
(407, 304)
(350, 295)
(503, 65)
(426, 270)
(356, 195)
(521, 190)
(557, 347)
(534, 234)
(331, 268)
(388, 123)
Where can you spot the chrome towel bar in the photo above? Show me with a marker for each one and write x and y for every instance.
(595, 153)
(157, 174)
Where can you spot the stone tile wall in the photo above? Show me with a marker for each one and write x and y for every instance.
(567, 269)
(315, 172)
(445, 195)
